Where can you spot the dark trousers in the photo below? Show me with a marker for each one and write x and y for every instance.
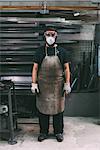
(58, 124)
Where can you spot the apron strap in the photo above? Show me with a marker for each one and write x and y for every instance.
(55, 46)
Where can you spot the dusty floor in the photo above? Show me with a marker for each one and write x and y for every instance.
(79, 134)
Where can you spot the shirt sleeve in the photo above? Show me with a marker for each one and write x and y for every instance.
(38, 56)
(66, 56)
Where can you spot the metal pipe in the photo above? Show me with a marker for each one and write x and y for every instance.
(11, 126)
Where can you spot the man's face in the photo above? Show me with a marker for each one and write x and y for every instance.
(50, 33)
(50, 37)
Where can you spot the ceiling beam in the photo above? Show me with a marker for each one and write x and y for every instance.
(65, 8)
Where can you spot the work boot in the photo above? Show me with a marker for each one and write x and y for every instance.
(42, 137)
(59, 137)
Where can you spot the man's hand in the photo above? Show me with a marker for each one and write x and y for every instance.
(34, 88)
(67, 87)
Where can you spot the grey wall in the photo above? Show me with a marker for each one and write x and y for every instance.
(82, 104)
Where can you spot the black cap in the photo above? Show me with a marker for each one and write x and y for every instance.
(50, 29)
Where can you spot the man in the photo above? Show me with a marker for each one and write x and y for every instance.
(51, 81)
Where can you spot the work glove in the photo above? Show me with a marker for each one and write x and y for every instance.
(34, 88)
(67, 88)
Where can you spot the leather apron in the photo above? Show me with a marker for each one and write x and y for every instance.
(50, 100)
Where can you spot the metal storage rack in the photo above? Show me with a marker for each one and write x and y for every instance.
(22, 35)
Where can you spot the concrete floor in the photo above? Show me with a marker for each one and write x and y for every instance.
(79, 134)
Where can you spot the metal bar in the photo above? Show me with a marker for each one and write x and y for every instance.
(0, 117)
(48, 1)
(92, 55)
(49, 8)
(11, 140)
(15, 104)
(14, 98)
(73, 83)
(21, 35)
(19, 63)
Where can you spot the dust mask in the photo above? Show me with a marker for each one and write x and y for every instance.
(50, 40)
